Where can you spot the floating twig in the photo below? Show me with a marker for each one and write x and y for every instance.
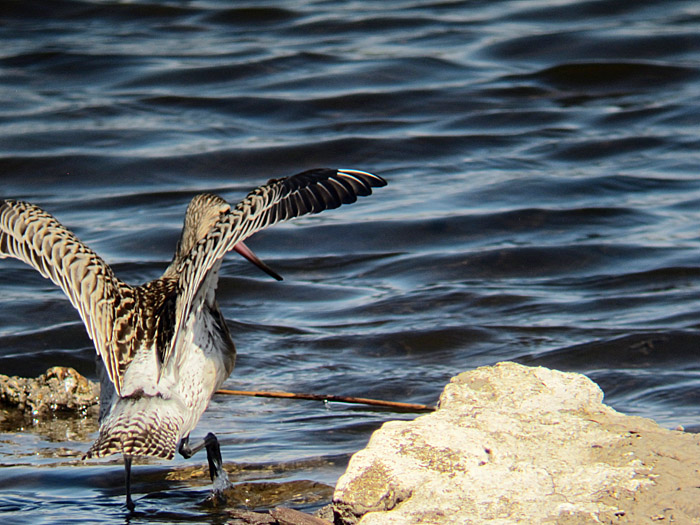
(408, 407)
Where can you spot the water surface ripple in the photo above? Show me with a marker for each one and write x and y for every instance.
(543, 206)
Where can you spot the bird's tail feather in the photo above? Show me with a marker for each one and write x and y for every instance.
(139, 426)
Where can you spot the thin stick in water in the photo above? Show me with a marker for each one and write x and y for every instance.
(409, 407)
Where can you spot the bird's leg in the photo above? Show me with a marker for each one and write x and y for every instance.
(127, 472)
(216, 466)
(186, 451)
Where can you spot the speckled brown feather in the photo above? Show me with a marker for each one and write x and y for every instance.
(123, 320)
(279, 200)
(35, 237)
(138, 431)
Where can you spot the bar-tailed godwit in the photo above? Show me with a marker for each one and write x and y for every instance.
(164, 346)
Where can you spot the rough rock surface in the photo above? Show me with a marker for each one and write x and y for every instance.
(59, 389)
(514, 444)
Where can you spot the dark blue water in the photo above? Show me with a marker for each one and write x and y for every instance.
(543, 206)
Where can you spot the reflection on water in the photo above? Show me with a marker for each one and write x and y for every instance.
(542, 206)
(59, 428)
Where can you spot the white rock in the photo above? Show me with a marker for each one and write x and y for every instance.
(508, 444)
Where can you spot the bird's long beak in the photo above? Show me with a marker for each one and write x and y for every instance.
(246, 252)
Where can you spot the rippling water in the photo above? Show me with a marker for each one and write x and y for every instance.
(543, 206)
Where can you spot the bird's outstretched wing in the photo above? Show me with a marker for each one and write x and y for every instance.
(279, 200)
(35, 237)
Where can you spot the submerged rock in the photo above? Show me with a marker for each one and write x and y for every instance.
(59, 389)
(266, 494)
(276, 516)
(514, 444)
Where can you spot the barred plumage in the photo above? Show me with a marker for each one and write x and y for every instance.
(138, 431)
(164, 346)
(280, 199)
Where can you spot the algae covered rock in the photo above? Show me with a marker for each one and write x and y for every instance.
(59, 389)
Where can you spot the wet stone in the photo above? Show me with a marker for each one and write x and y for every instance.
(277, 516)
(267, 494)
(59, 389)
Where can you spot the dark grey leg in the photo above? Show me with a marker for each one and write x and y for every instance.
(216, 464)
(185, 450)
(127, 472)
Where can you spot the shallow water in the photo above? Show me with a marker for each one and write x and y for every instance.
(542, 206)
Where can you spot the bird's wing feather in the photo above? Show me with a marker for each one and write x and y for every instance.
(35, 237)
(279, 200)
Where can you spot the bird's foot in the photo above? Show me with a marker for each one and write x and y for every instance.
(130, 503)
(217, 473)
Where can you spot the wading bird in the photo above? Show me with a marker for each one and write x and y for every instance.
(164, 346)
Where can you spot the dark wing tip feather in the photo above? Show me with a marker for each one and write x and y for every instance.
(369, 180)
(308, 192)
(324, 188)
